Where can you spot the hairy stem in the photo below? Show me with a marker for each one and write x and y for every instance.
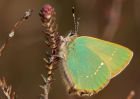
(48, 19)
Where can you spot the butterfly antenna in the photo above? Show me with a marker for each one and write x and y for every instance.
(76, 24)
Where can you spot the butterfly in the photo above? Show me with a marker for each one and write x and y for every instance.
(90, 63)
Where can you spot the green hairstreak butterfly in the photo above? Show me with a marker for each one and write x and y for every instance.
(90, 63)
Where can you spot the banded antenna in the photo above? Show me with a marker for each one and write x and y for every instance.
(76, 21)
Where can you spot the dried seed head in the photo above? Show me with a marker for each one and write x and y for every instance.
(48, 18)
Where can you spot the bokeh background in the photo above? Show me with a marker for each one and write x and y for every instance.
(21, 63)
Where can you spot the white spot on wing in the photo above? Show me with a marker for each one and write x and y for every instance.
(98, 68)
(114, 52)
(102, 63)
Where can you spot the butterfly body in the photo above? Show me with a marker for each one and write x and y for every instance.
(90, 63)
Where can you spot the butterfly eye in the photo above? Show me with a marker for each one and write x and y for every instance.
(71, 34)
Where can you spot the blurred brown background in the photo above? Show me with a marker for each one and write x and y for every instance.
(21, 62)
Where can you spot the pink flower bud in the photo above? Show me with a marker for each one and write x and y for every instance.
(46, 11)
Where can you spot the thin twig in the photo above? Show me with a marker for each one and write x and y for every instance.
(6, 89)
(26, 15)
(131, 95)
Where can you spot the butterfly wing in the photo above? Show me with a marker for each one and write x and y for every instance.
(90, 63)
(115, 56)
(85, 69)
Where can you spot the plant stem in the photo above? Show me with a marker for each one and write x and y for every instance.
(47, 15)
(26, 15)
(131, 95)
